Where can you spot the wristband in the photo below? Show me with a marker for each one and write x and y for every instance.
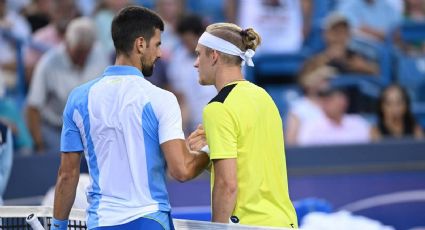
(59, 224)
(206, 150)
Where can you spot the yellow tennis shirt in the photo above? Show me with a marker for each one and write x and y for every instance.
(243, 122)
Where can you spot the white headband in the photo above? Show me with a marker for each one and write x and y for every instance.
(226, 47)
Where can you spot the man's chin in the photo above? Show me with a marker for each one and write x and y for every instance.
(147, 72)
(203, 83)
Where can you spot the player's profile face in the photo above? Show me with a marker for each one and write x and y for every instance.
(201, 65)
(151, 54)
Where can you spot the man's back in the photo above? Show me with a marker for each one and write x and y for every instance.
(122, 118)
(256, 126)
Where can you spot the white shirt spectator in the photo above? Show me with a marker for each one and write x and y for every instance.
(305, 109)
(323, 131)
(280, 25)
(54, 78)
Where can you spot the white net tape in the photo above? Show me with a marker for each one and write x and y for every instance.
(13, 217)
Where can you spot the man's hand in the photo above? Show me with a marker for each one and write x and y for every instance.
(197, 139)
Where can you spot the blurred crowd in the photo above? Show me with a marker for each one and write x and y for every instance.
(48, 47)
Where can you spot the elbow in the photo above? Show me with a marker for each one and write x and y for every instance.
(232, 189)
(68, 175)
(184, 172)
(229, 188)
(182, 175)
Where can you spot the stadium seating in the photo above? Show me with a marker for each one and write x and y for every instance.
(276, 66)
(413, 31)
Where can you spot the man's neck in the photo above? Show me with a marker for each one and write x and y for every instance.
(226, 75)
(128, 60)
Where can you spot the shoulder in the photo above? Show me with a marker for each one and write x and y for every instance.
(158, 94)
(223, 94)
(160, 99)
(53, 55)
(81, 92)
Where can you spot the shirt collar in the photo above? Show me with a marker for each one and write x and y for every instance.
(122, 70)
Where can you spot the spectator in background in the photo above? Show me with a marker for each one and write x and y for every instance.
(183, 77)
(61, 13)
(6, 157)
(211, 11)
(282, 24)
(337, 52)
(307, 107)
(415, 10)
(86, 7)
(414, 13)
(74, 62)
(37, 13)
(395, 118)
(170, 11)
(11, 115)
(335, 127)
(104, 14)
(12, 27)
(371, 20)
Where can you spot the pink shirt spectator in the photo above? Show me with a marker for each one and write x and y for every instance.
(323, 131)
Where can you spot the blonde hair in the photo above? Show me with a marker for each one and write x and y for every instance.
(243, 39)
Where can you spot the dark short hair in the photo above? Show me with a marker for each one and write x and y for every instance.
(191, 23)
(133, 22)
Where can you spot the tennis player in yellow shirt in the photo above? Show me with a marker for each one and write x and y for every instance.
(244, 133)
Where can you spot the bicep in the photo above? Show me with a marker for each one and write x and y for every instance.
(174, 152)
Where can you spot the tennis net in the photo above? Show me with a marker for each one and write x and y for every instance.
(14, 217)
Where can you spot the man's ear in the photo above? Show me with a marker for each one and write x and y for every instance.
(140, 45)
(214, 55)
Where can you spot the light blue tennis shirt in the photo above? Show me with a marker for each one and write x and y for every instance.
(119, 121)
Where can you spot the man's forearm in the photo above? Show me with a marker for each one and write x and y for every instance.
(197, 163)
(223, 203)
(65, 195)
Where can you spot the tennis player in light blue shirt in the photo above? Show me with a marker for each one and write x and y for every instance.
(130, 132)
